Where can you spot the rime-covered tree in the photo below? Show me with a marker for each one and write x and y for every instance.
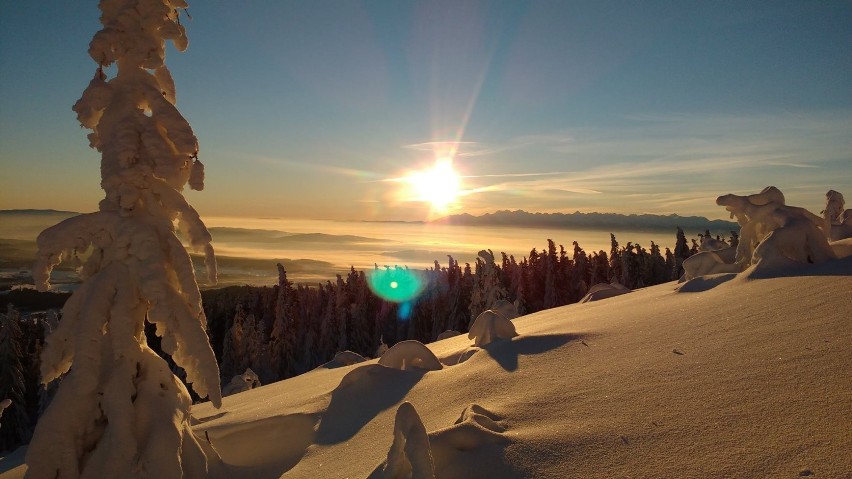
(486, 287)
(120, 412)
(15, 428)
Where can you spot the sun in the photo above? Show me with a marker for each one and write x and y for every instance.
(439, 185)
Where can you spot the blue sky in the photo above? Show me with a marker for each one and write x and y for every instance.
(303, 109)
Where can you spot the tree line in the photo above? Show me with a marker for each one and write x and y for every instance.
(286, 329)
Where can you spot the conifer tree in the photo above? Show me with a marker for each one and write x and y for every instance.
(283, 338)
(579, 282)
(15, 428)
(550, 273)
(681, 252)
(616, 267)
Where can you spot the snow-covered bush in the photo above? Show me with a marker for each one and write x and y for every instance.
(410, 456)
(119, 411)
(406, 355)
(345, 358)
(241, 382)
(489, 326)
(606, 290)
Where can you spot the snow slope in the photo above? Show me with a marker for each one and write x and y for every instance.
(728, 377)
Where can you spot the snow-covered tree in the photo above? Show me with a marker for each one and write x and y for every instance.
(487, 288)
(16, 424)
(120, 412)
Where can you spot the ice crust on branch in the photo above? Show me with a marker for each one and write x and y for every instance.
(119, 411)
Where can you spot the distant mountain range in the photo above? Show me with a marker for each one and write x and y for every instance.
(577, 220)
(37, 212)
(517, 218)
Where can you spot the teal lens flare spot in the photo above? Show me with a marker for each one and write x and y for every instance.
(396, 285)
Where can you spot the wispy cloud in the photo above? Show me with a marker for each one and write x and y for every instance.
(669, 163)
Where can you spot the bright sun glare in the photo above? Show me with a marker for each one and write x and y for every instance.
(438, 185)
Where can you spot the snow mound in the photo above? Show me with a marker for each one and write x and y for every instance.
(409, 354)
(344, 358)
(410, 455)
(710, 262)
(490, 326)
(603, 291)
(241, 382)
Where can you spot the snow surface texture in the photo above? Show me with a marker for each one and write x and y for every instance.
(119, 411)
(773, 235)
(241, 382)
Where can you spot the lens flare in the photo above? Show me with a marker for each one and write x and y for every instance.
(397, 285)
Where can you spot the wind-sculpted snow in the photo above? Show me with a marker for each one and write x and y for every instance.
(773, 237)
(714, 256)
(406, 355)
(119, 411)
(490, 326)
(837, 219)
(410, 456)
(766, 212)
(241, 382)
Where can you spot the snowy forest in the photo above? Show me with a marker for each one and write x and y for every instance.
(287, 329)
